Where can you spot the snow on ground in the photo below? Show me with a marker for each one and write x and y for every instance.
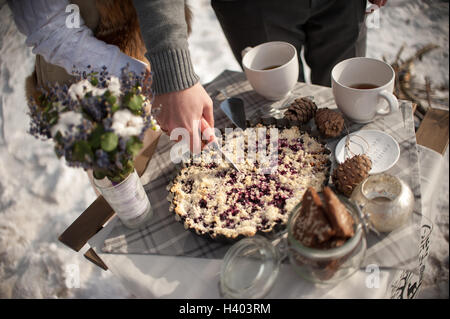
(40, 196)
(415, 24)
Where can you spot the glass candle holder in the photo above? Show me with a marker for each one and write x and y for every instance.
(385, 200)
(128, 200)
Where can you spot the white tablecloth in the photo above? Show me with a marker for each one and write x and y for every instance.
(151, 276)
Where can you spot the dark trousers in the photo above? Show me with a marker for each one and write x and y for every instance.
(327, 29)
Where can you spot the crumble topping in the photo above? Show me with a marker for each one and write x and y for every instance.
(214, 198)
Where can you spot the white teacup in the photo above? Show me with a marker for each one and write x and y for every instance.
(271, 68)
(362, 88)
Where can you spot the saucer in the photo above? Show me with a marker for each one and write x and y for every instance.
(381, 148)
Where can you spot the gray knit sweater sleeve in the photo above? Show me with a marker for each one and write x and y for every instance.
(164, 30)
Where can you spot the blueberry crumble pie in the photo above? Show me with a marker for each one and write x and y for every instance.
(213, 198)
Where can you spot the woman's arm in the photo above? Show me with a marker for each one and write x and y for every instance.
(43, 22)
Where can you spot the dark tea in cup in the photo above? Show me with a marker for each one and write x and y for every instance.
(271, 67)
(364, 86)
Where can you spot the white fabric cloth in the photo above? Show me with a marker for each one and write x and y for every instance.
(43, 22)
(164, 235)
(152, 276)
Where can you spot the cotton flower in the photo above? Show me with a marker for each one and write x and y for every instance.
(114, 86)
(66, 120)
(127, 124)
(80, 89)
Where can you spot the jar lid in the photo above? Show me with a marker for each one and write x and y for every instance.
(249, 268)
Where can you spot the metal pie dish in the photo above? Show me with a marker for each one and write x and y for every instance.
(273, 231)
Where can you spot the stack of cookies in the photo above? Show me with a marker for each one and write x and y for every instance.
(323, 225)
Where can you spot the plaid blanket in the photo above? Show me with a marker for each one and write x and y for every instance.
(166, 236)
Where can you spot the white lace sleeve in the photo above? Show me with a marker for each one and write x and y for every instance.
(44, 24)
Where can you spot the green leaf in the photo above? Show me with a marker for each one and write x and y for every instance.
(42, 99)
(58, 138)
(134, 145)
(127, 170)
(135, 103)
(47, 107)
(95, 137)
(82, 150)
(126, 98)
(118, 176)
(52, 118)
(94, 81)
(115, 107)
(99, 174)
(109, 141)
(112, 100)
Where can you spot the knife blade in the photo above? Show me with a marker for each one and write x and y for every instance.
(234, 109)
(218, 148)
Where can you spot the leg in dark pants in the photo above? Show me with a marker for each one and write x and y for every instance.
(327, 29)
(252, 22)
(331, 35)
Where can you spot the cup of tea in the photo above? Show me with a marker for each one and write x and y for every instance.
(362, 88)
(271, 68)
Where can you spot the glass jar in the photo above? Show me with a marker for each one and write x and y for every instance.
(128, 200)
(385, 200)
(328, 266)
(250, 266)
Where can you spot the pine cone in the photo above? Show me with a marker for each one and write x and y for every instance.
(350, 173)
(330, 123)
(302, 110)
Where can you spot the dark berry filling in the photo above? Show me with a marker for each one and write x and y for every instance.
(202, 203)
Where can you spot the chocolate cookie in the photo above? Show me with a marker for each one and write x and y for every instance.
(312, 227)
(338, 215)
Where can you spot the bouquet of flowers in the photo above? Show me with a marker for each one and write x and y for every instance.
(96, 123)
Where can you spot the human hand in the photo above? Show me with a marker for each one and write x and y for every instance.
(379, 3)
(185, 109)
